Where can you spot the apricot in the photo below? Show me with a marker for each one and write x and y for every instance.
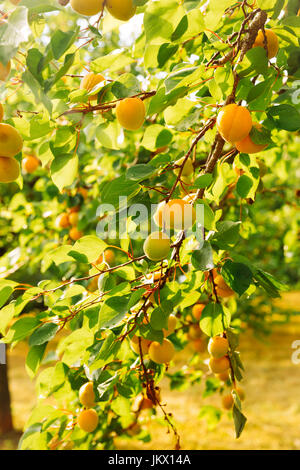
(84, 192)
(227, 401)
(121, 9)
(176, 214)
(4, 71)
(199, 345)
(219, 365)
(1, 112)
(222, 289)
(30, 164)
(75, 234)
(90, 81)
(272, 42)
(135, 346)
(88, 420)
(248, 146)
(234, 122)
(62, 221)
(188, 168)
(11, 141)
(131, 113)
(172, 322)
(161, 353)
(218, 346)
(87, 395)
(194, 332)
(73, 218)
(9, 169)
(241, 393)
(223, 376)
(109, 257)
(197, 311)
(157, 246)
(87, 7)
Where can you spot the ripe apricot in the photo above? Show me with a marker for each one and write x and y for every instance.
(161, 353)
(218, 365)
(199, 345)
(197, 311)
(1, 112)
(223, 376)
(176, 214)
(62, 221)
(4, 71)
(172, 322)
(88, 420)
(90, 81)
(109, 257)
(272, 42)
(157, 246)
(9, 169)
(188, 168)
(218, 346)
(73, 218)
(234, 122)
(11, 141)
(131, 113)
(30, 164)
(194, 332)
(87, 8)
(222, 289)
(227, 401)
(240, 393)
(121, 9)
(84, 192)
(75, 234)
(145, 343)
(248, 146)
(87, 395)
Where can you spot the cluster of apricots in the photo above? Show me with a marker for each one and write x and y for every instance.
(70, 218)
(108, 257)
(87, 418)
(11, 143)
(219, 364)
(197, 338)
(160, 353)
(120, 9)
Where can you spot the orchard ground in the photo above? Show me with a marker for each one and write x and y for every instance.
(272, 405)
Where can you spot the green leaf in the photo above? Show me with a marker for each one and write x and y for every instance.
(111, 191)
(5, 293)
(227, 235)
(140, 172)
(203, 259)
(156, 136)
(203, 181)
(127, 85)
(34, 359)
(237, 275)
(239, 421)
(43, 334)
(112, 311)
(64, 170)
(61, 41)
(89, 248)
(244, 186)
(21, 329)
(215, 319)
(285, 117)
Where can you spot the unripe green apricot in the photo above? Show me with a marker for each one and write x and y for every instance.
(157, 246)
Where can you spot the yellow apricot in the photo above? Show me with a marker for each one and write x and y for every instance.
(176, 214)
(222, 289)
(172, 322)
(248, 146)
(9, 169)
(157, 246)
(75, 234)
(62, 221)
(240, 393)
(11, 141)
(161, 353)
(197, 311)
(90, 81)
(272, 42)
(87, 7)
(223, 376)
(73, 218)
(188, 168)
(121, 9)
(4, 71)
(135, 345)
(194, 332)
(131, 113)
(218, 346)
(1, 112)
(234, 122)
(87, 395)
(199, 345)
(218, 365)
(109, 257)
(30, 164)
(88, 420)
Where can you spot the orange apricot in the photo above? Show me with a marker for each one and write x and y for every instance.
(4, 71)
(161, 353)
(234, 122)
(272, 42)
(88, 420)
(75, 234)
(87, 8)
(90, 81)
(131, 113)
(121, 9)
(135, 343)
(218, 365)
(218, 346)
(30, 164)
(87, 395)
(197, 311)
(9, 170)
(248, 146)
(62, 221)
(11, 141)
(176, 214)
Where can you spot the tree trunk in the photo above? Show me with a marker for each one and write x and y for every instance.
(6, 423)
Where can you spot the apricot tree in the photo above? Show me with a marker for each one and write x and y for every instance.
(126, 136)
